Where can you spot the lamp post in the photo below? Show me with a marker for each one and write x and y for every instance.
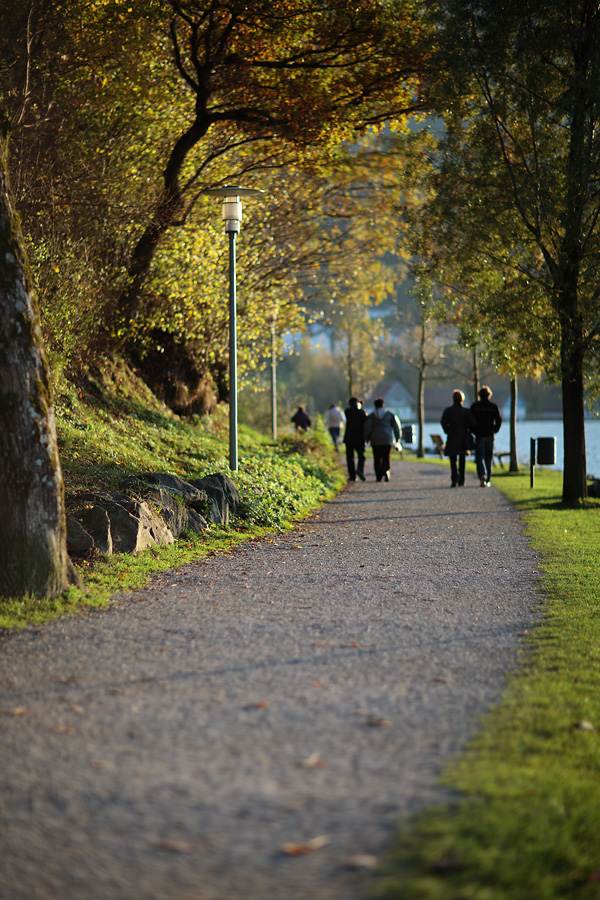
(231, 195)
(272, 320)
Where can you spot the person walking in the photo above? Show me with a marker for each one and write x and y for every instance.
(458, 423)
(354, 439)
(301, 420)
(382, 431)
(334, 420)
(488, 421)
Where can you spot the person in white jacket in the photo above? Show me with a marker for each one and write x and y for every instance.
(382, 431)
(334, 420)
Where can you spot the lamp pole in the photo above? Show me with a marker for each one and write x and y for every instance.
(232, 217)
(273, 323)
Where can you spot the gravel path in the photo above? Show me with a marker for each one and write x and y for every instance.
(311, 683)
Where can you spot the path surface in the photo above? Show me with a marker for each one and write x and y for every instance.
(157, 751)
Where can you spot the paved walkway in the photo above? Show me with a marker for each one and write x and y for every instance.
(308, 684)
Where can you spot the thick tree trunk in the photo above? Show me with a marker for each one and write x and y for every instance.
(514, 455)
(33, 549)
(575, 474)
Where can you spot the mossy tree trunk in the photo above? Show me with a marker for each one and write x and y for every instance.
(33, 548)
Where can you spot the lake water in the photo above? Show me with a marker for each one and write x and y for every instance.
(544, 428)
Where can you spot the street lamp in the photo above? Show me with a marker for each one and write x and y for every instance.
(272, 320)
(231, 195)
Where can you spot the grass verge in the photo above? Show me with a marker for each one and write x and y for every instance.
(118, 429)
(526, 819)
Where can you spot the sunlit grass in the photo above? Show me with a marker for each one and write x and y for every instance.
(526, 819)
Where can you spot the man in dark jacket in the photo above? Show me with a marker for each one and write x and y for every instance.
(354, 439)
(458, 423)
(488, 422)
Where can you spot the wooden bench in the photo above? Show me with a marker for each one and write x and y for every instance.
(438, 443)
(499, 456)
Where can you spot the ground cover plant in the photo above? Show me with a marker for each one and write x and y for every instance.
(114, 427)
(526, 818)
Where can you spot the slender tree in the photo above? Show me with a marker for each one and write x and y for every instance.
(519, 172)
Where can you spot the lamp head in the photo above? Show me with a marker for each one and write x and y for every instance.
(231, 195)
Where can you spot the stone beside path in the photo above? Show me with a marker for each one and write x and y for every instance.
(310, 685)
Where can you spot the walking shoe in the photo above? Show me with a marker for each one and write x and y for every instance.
(482, 482)
(361, 476)
(386, 477)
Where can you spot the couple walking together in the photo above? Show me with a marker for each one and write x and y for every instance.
(381, 429)
(483, 419)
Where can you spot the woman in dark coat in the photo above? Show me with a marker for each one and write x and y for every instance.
(457, 423)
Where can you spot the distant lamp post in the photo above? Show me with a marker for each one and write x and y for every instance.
(231, 195)
(272, 320)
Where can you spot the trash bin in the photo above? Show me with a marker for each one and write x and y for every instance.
(408, 434)
(546, 451)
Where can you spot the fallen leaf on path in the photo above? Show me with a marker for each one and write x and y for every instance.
(378, 722)
(175, 845)
(17, 711)
(362, 861)
(260, 704)
(293, 849)
(346, 646)
(313, 761)
(318, 684)
(321, 643)
(76, 708)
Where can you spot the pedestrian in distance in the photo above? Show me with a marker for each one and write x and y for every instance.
(488, 421)
(382, 431)
(301, 420)
(457, 423)
(354, 439)
(334, 420)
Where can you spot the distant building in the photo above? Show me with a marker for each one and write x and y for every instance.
(396, 397)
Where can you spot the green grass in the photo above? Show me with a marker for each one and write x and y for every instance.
(109, 433)
(526, 821)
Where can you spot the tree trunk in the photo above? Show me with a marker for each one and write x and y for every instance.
(170, 208)
(475, 375)
(421, 413)
(33, 547)
(514, 454)
(574, 474)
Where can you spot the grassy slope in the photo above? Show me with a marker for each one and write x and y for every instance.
(118, 429)
(526, 821)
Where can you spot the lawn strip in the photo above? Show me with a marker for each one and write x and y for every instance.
(526, 818)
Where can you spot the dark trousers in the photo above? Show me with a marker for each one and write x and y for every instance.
(381, 459)
(335, 435)
(359, 467)
(457, 468)
(484, 455)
